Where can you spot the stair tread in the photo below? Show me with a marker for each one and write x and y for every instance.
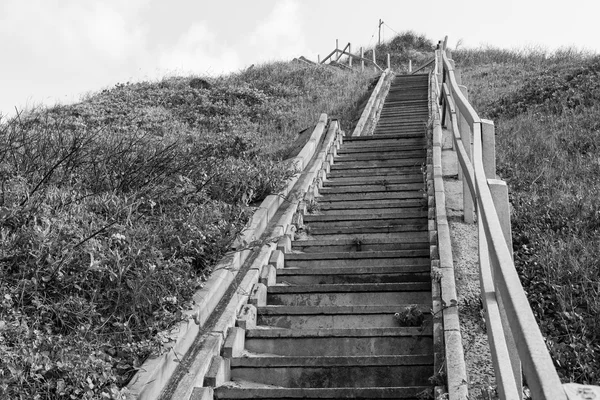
(351, 332)
(331, 361)
(330, 310)
(253, 392)
(351, 287)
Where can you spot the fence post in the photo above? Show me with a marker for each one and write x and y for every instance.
(337, 47)
(362, 59)
(388, 60)
(488, 143)
(409, 65)
(374, 62)
(499, 191)
(466, 137)
(318, 59)
(350, 57)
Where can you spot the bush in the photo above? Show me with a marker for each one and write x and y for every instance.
(113, 211)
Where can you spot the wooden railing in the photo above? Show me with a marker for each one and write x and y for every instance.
(338, 53)
(514, 336)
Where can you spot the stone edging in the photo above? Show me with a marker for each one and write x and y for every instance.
(155, 372)
(443, 268)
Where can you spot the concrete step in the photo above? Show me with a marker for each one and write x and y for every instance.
(392, 148)
(377, 173)
(367, 204)
(403, 162)
(374, 141)
(354, 231)
(353, 215)
(377, 179)
(335, 372)
(370, 294)
(409, 194)
(380, 155)
(338, 275)
(388, 211)
(340, 342)
(336, 317)
(367, 223)
(361, 262)
(373, 187)
(357, 259)
(252, 391)
(358, 243)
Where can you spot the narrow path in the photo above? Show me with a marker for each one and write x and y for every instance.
(336, 323)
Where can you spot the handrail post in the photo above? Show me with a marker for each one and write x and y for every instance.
(488, 142)
(350, 57)
(337, 47)
(318, 59)
(409, 66)
(374, 62)
(499, 191)
(362, 59)
(467, 140)
(388, 60)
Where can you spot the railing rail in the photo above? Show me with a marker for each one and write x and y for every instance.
(514, 336)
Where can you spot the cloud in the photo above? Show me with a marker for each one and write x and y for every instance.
(198, 50)
(280, 35)
(57, 47)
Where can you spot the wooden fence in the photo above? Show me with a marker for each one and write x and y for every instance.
(516, 342)
(338, 53)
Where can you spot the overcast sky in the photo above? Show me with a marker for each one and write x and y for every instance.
(57, 50)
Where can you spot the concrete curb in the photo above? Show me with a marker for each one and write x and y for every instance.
(359, 130)
(155, 372)
(456, 371)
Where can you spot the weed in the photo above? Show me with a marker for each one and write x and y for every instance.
(313, 206)
(410, 316)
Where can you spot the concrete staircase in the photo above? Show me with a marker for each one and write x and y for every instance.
(349, 314)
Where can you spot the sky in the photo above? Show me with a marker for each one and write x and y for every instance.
(56, 51)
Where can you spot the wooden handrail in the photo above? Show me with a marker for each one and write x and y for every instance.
(427, 64)
(538, 368)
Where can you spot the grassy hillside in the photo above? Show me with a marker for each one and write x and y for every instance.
(114, 210)
(545, 107)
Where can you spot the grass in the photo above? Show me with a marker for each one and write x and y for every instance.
(114, 210)
(545, 106)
